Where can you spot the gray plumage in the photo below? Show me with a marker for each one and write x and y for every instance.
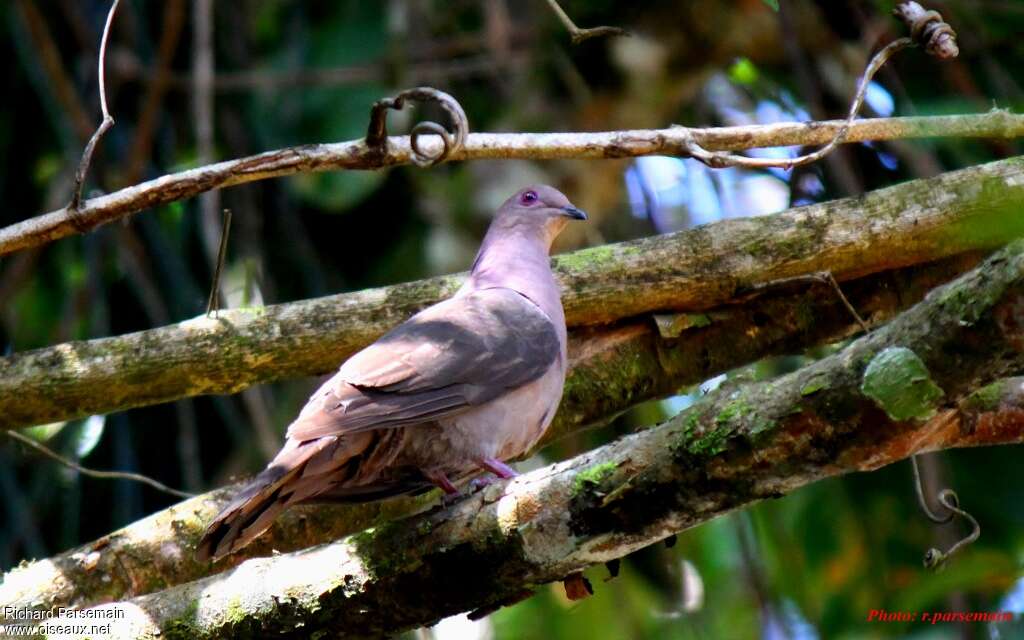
(455, 390)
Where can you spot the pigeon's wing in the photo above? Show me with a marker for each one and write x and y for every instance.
(454, 355)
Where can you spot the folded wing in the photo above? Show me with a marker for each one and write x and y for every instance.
(452, 356)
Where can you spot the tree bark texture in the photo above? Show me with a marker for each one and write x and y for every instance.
(611, 369)
(695, 270)
(935, 377)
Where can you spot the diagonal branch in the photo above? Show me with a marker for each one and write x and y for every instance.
(611, 370)
(908, 387)
(356, 154)
(911, 223)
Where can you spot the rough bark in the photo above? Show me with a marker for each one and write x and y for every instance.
(611, 369)
(914, 385)
(698, 269)
(356, 154)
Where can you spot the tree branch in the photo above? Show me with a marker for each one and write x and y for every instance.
(577, 34)
(909, 387)
(356, 154)
(927, 28)
(108, 120)
(610, 370)
(911, 223)
(914, 221)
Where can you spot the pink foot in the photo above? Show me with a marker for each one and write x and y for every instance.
(442, 482)
(498, 468)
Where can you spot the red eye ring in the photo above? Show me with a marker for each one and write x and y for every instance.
(528, 197)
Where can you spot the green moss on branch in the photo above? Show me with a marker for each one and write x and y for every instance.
(907, 224)
(611, 369)
(635, 491)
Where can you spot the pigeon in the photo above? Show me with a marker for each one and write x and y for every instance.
(455, 391)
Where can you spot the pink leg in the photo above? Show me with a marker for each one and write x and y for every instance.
(498, 468)
(442, 481)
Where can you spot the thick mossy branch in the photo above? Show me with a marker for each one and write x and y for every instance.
(843, 412)
(911, 223)
(611, 369)
(737, 446)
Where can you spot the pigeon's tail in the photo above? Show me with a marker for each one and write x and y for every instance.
(327, 469)
(249, 514)
(300, 471)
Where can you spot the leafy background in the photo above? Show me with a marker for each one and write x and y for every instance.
(812, 564)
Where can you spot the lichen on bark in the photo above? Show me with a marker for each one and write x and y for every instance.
(899, 383)
(611, 369)
(636, 490)
(690, 271)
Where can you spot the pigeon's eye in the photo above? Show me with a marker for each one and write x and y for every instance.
(528, 197)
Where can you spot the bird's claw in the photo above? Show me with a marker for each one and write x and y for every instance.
(482, 482)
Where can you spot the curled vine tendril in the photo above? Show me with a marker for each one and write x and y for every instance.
(451, 141)
(927, 29)
(934, 558)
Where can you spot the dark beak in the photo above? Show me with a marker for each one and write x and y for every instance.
(574, 213)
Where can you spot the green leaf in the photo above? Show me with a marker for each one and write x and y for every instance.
(743, 71)
(774, 4)
(43, 432)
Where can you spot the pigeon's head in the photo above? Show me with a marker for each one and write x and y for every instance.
(539, 206)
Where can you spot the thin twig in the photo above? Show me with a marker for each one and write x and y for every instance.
(821, 277)
(927, 29)
(108, 121)
(357, 155)
(213, 304)
(577, 34)
(106, 475)
(719, 160)
(933, 558)
(830, 279)
(808, 83)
